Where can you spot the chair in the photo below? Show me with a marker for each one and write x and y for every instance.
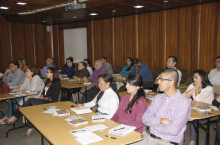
(59, 98)
(184, 76)
(216, 88)
(2, 113)
(157, 72)
(117, 69)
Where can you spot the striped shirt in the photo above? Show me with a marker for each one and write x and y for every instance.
(176, 108)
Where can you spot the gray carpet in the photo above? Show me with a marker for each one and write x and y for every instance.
(16, 136)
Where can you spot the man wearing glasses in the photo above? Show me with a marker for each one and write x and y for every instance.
(168, 113)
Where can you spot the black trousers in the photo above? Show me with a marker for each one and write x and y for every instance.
(91, 92)
(30, 102)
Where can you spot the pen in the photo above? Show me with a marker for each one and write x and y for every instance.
(110, 137)
(45, 109)
(120, 128)
(77, 131)
(98, 118)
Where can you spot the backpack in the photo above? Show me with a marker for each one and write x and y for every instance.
(4, 88)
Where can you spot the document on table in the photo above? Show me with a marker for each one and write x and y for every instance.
(96, 127)
(51, 110)
(88, 138)
(81, 111)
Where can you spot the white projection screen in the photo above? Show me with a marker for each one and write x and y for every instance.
(75, 43)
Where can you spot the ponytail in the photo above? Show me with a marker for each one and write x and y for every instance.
(140, 93)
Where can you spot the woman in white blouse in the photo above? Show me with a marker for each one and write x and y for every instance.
(202, 91)
(32, 83)
(107, 99)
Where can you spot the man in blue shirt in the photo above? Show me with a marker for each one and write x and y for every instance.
(49, 63)
(68, 71)
(145, 71)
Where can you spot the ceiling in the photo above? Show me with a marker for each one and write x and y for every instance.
(104, 9)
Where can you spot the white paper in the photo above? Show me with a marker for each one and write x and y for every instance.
(96, 127)
(87, 83)
(64, 78)
(150, 97)
(81, 111)
(72, 80)
(147, 90)
(80, 132)
(98, 118)
(16, 90)
(88, 138)
(1, 75)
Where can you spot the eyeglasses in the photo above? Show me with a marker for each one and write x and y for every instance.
(162, 79)
(48, 72)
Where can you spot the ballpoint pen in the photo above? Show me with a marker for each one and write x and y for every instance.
(98, 118)
(77, 131)
(120, 128)
(110, 137)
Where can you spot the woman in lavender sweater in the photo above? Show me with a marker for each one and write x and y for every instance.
(132, 105)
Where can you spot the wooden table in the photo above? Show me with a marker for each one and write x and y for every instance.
(56, 130)
(8, 96)
(195, 115)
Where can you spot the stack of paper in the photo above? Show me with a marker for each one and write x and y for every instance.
(202, 108)
(81, 111)
(76, 120)
(147, 90)
(80, 132)
(87, 83)
(61, 112)
(51, 110)
(97, 118)
(72, 80)
(88, 138)
(122, 129)
(150, 97)
(64, 78)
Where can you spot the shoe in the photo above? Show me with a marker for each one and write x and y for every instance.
(2, 122)
(9, 123)
(29, 134)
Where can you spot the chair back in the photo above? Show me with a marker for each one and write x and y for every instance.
(184, 76)
(117, 69)
(216, 88)
(157, 72)
(59, 98)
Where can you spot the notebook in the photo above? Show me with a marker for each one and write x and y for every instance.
(122, 129)
(88, 138)
(81, 110)
(78, 120)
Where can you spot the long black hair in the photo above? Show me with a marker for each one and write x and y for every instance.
(135, 80)
(129, 68)
(107, 78)
(204, 78)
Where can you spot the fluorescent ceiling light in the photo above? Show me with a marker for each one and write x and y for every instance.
(113, 11)
(138, 6)
(93, 14)
(44, 21)
(5, 8)
(165, 1)
(21, 3)
(74, 17)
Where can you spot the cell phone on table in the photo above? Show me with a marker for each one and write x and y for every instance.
(72, 106)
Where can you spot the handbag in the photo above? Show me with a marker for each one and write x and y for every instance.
(4, 88)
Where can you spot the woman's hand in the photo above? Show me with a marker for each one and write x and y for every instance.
(198, 86)
(86, 80)
(78, 79)
(218, 98)
(80, 106)
(41, 97)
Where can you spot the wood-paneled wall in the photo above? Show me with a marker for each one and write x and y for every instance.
(22, 40)
(190, 33)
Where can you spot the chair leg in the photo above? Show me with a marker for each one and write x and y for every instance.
(2, 113)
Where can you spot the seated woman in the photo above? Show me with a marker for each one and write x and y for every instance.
(49, 63)
(31, 83)
(68, 71)
(202, 91)
(132, 105)
(50, 94)
(125, 71)
(107, 99)
(216, 102)
(81, 74)
(24, 65)
(19, 62)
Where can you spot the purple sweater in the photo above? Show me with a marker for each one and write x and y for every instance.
(96, 73)
(135, 117)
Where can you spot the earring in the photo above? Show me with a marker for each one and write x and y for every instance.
(107, 86)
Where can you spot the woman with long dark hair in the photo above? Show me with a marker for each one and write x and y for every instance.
(50, 94)
(128, 67)
(107, 99)
(132, 105)
(202, 91)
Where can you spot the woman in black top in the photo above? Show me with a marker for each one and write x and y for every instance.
(50, 94)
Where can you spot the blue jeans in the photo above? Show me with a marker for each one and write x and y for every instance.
(14, 106)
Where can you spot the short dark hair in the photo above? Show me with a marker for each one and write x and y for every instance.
(25, 61)
(34, 70)
(171, 71)
(15, 63)
(104, 58)
(174, 59)
(55, 74)
(83, 63)
(70, 59)
(88, 61)
(217, 57)
(135, 61)
(204, 77)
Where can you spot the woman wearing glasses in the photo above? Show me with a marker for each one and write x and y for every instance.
(202, 91)
(50, 94)
(133, 105)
